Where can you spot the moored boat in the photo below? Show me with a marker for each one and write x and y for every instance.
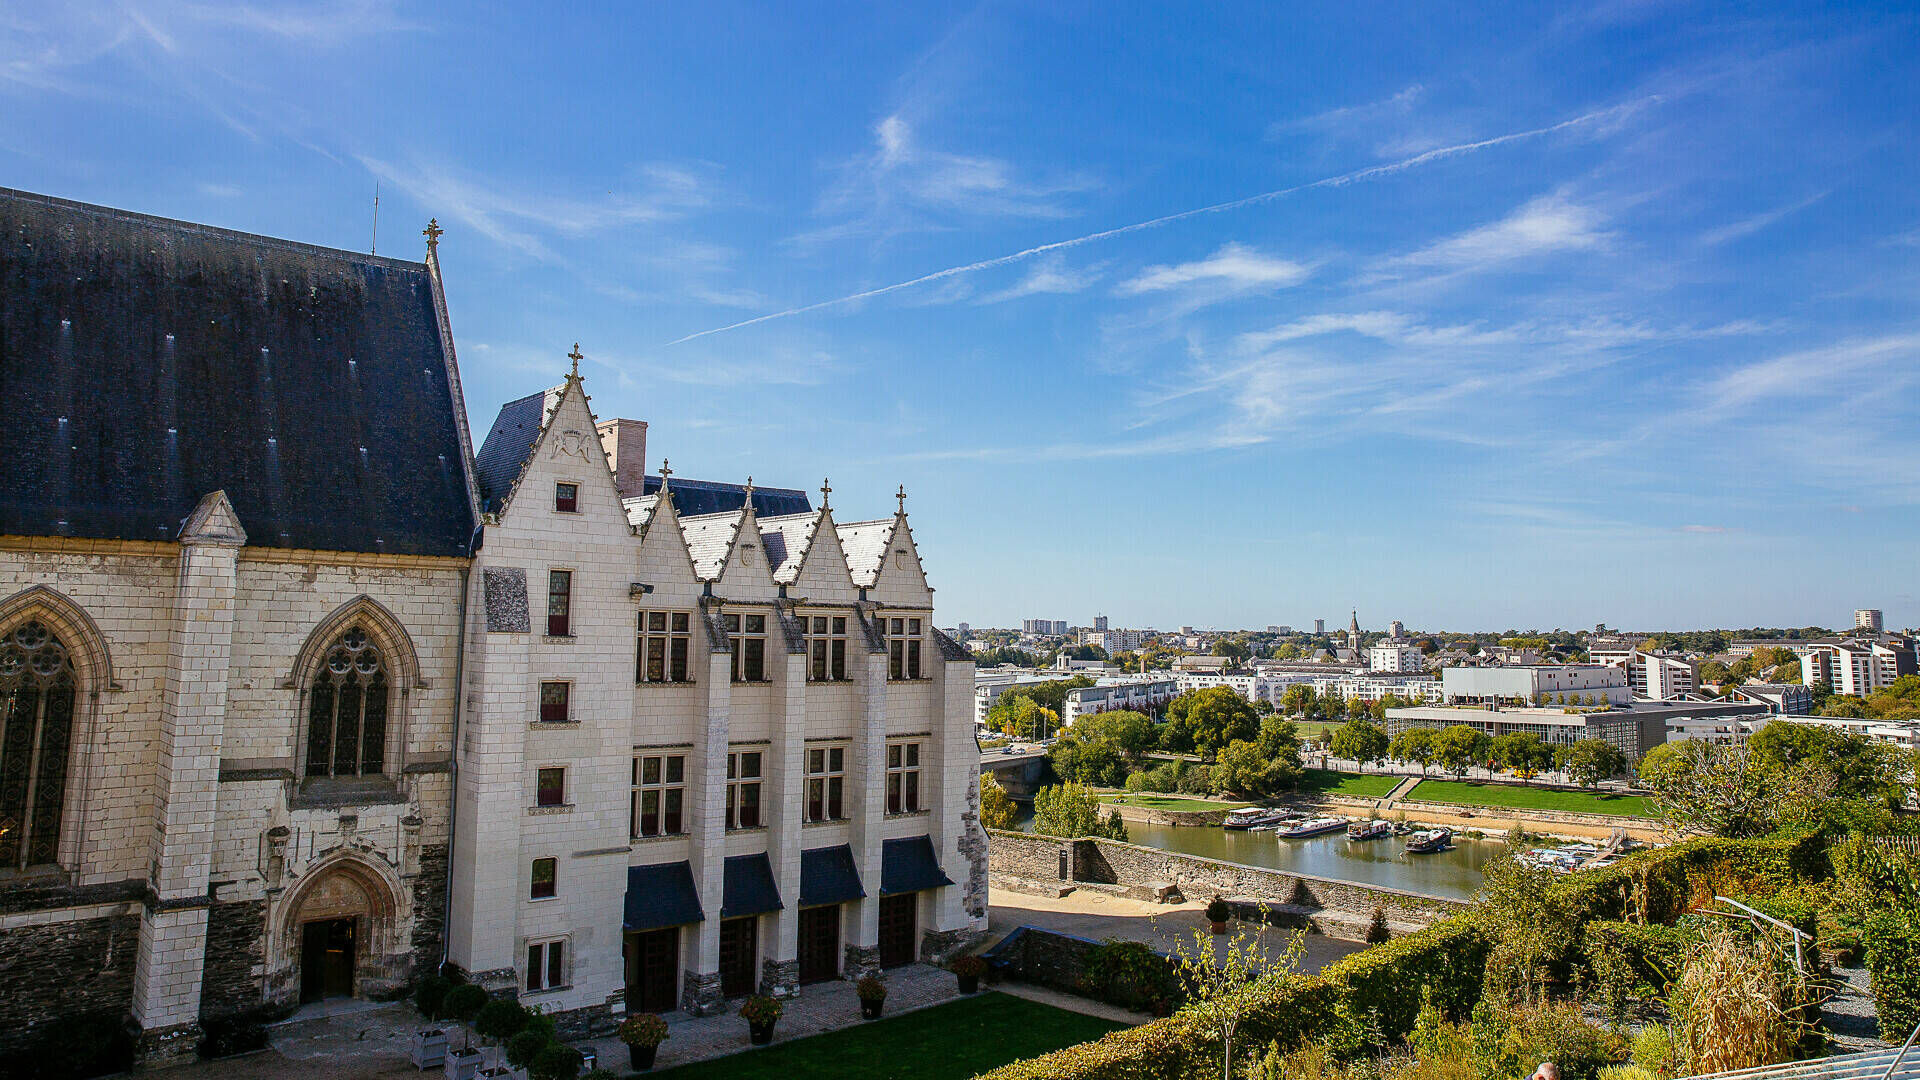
(1369, 830)
(1251, 817)
(1313, 827)
(1428, 841)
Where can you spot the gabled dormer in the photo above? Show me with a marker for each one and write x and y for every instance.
(554, 464)
(745, 573)
(900, 578)
(821, 570)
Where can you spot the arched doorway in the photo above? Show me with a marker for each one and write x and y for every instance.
(338, 931)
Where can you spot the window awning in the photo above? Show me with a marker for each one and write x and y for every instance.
(749, 888)
(661, 895)
(908, 865)
(828, 876)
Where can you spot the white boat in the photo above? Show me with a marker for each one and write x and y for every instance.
(1427, 841)
(1369, 830)
(1314, 827)
(1249, 817)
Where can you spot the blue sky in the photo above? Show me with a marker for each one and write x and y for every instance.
(1535, 318)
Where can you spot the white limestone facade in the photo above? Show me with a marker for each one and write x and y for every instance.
(673, 790)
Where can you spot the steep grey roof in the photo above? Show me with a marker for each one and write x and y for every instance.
(695, 497)
(640, 510)
(865, 545)
(951, 649)
(786, 540)
(146, 362)
(709, 538)
(505, 449)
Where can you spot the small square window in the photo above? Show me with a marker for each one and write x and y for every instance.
(544, 879)
(566, 498)
(552, 788)
(554, 702)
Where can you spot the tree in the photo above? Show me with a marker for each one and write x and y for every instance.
(1234, 649)
(1095, 762)
(1861, 768)
(1361, 741)
(1021, 717)
(1246, 771)
(1069, 811)
(1226, 975)
(1413, 745)
(1520, 753)
(1203, 721)
(1458, 747)
(1590, 761)
(997, 810)
(1703, 787)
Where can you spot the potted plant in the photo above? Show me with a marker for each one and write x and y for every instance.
(873, 995)
(969, 968)
(1218, 912)
(760, 1011)
(643, 1033)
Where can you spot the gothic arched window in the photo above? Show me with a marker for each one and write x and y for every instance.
(347, 710)
(36, 724)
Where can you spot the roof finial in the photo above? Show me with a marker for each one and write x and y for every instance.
(432, 232)
(826, 489)
(902, 496)
(576, 357)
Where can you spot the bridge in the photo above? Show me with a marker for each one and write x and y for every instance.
(1022, 774)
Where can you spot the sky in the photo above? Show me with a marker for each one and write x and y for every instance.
(1222, 315)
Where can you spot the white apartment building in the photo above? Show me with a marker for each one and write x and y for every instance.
(1527, 684)
(1114, 640)
(703, 755)
(1652, 676)
(1146, 694)
(1272, 686)
(1389, 656)
(1857, 666)
(1869, 619)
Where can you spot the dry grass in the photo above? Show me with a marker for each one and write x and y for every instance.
(1733, 1006)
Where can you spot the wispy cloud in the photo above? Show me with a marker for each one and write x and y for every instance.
(1546, 225)
(1050, 276)
(1600, 119)
(1234, 266)
(1749, 226)
(518, 218)
(1814, 373)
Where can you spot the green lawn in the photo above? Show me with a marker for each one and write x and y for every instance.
(947, 1042)
(1467, 793)
(1328, 782)
(1169, 802)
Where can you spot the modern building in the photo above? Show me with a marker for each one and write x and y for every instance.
(1396, 629)
(1114, 640)
(1653, 676)
(1857, 665)
(1215, 664)
(1635, 728)
(1869, 619)
(1147, 694)
(730, 756)
(1389, 656)
(238, 521)
(1780, 698)
(1319, 626)
(1553, 683)
(1099, 622)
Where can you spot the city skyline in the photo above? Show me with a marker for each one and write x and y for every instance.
(1539, 320)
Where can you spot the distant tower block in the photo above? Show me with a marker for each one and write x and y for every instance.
(1869, 619)
(1396, 629)
(1319, 626)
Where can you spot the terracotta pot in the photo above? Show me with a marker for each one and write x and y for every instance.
(871, 1009)
(1219, 928)
(760, 1034)
(641, 1056)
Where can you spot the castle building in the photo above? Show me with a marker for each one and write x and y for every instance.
(234, 534)
(707, 754)
(300, 698)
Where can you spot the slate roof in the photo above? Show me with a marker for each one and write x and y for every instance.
(709, 538)
(640, 510)
(747, 887)
(504, 451)
(865, 544)
(909, 865)
(661, 895)
(786, 540)
(828, 876)
(695, 497)
(145, 363)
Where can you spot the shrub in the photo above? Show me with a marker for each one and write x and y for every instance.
(500, 1019)
(968, 964)
(428, 995)
(1128, 973)
(229, 1035)
(1893, 961)
(1653, 1049)
(1377, 930)
(643, 1029)
(463, 1003)
(1218, 910)
(870, 989)
(1557, 1033)
(555, 1061)
(522, 1048)
(761, 1009)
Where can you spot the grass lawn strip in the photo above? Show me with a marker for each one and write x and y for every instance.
(1466, 793)
(1328, 782)
(1169, 802)
(954, 1041)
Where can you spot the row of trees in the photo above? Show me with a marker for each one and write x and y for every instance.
(1246, 755)
(1785, 773)
(1459, 748)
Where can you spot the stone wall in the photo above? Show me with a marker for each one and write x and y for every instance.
(232, 977)
(63, 973)
(429, 910)
(1107, 862)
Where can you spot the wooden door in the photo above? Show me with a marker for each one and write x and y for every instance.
(326, 959)
(653, 970)
(897, 929)
(819, 943)
(737, 948)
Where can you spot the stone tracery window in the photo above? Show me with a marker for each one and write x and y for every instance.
(36, 726)
(347, 710)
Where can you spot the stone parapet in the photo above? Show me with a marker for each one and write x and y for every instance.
(700, 994)
(862, 960)
(779, 978)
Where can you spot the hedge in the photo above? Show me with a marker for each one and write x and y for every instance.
(1380, 985)
(1893, 962)
(1671, 880)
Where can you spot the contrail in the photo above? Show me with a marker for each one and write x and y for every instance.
(1251, 200)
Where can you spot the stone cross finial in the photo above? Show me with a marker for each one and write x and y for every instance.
(432, 232)
(576, 356)
(902, 496)
(826, 489)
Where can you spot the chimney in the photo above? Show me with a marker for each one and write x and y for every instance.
(625, 442)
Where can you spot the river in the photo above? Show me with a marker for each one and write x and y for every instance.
(1455, 872)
